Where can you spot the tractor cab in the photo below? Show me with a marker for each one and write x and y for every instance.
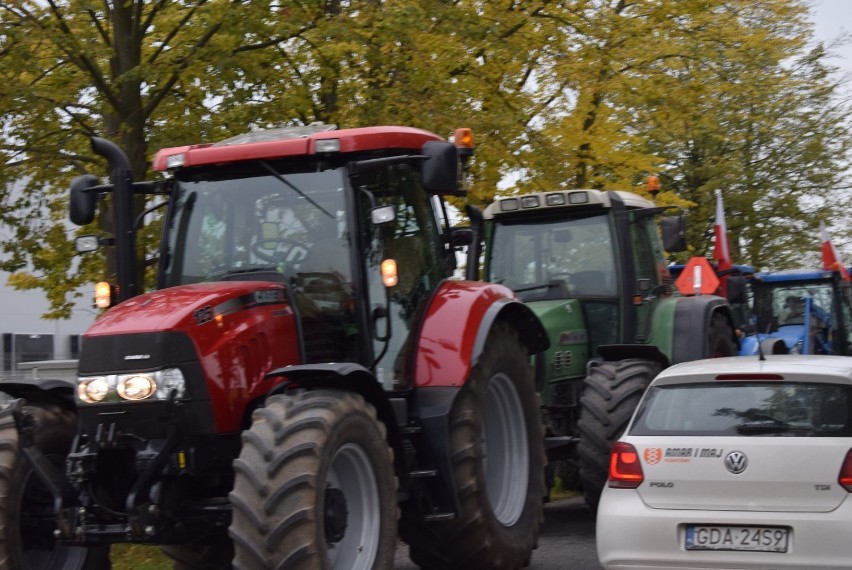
(808, 310)
(598, 250)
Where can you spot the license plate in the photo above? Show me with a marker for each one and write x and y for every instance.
(756, 538)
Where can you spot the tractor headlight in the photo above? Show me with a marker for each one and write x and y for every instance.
(136, 387)
(92, 390)
(156, 385)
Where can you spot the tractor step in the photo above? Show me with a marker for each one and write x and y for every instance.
(423, 473)
(437, 517)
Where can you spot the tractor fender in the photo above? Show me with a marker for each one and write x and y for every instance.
(617, 352)
(54, 390)
(456, 324)
(691, 324)
(347, 376)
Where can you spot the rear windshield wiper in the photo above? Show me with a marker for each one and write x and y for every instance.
(768, 426)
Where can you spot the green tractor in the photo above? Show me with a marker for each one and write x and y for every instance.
(591, 266)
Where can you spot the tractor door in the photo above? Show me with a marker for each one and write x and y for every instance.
(406, 232)
(649, 270)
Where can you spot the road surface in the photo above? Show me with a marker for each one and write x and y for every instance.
(567, 540)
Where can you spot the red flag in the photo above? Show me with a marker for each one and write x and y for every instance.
(721, 251)
(830, 259)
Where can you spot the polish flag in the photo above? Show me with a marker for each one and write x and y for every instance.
(721, 251)
(830, 259)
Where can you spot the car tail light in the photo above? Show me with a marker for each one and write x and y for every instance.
(845, 477)
(625, 471)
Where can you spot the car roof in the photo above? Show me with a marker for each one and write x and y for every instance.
(790, 368)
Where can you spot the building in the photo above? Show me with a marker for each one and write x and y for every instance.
(27, 337)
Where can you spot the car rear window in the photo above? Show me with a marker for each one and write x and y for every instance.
(746, 409)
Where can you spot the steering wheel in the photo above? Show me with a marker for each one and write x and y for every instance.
(295, 251)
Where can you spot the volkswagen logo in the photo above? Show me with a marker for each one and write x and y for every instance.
(736, 462)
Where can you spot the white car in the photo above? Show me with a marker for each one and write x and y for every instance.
(734, 463)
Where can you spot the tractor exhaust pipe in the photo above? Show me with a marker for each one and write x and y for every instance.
(121, 178)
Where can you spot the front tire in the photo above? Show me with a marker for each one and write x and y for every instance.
(314, 486)
(611, 393)
(26, 506)
(497, 448)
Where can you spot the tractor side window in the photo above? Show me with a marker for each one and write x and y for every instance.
(646, 255)
(413, 240)
(646, 251)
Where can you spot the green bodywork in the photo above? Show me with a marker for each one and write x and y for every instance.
(571, 344)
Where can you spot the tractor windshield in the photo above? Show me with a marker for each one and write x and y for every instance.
(554, 259)
(813, 316)
(277, 219)
(784, 304)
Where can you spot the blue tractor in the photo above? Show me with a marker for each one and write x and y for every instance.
(802, 311)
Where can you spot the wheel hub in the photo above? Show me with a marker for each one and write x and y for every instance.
(335, 515)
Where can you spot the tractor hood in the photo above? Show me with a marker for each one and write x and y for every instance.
(187, 307)
(223, 336)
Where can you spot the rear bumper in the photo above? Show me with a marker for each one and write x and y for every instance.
(630, 535)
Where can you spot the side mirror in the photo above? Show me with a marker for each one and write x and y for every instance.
(736, 289)
(81, 206)
(461, 237)
(381, 313)
(440, 170)
(87, 243)
(674, 233)
(382, 215)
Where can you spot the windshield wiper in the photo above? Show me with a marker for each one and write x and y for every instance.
(222, 275)
(548, 285)
(286, 182)
(767, 426)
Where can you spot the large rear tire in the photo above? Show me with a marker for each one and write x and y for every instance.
(314, 486)
(611, 393)
(26, 506)
(497, 449)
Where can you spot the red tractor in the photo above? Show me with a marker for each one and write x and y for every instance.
(305, 385)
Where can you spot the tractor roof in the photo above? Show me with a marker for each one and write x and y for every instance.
(793, 275)
(313, 139)
(551, 202)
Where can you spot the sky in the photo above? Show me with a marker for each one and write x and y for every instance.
(831, 19)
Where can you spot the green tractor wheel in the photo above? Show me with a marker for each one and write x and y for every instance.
(612, 392)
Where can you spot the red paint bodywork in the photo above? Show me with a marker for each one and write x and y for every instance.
(449, 332)
(351, 140)
(235, 351)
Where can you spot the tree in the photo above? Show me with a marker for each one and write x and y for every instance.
(596, 93)
(753, 111)
(149, 74)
